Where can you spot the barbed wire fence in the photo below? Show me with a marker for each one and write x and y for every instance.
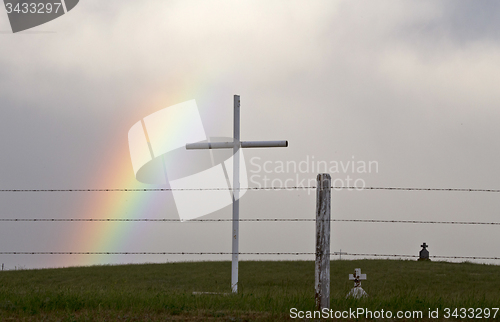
(286, 188)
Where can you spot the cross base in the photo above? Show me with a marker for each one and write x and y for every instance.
(357, 293)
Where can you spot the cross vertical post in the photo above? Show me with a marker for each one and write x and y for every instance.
(236, 192)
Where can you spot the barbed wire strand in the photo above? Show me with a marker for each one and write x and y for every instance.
(243, 220)
(242, 253)
(155, 189)
(251, 188)
(416, 221)
(420, 189)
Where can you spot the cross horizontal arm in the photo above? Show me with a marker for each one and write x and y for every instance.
(211, 145)
(243, 144)
(359, 277)
(264, 144)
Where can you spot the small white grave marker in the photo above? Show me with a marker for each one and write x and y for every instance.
(357, 292)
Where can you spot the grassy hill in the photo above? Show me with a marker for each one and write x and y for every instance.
(267, 290)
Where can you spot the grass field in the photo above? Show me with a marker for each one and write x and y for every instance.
(267, 290)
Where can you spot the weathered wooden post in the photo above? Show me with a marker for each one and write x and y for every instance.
(322, 273)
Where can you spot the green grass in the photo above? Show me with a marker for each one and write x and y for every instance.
(267, 290)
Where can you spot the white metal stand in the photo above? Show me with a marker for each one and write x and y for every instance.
(236, 145)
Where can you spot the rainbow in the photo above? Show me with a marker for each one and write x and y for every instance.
(118, 172)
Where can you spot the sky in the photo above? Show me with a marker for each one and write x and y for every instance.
(410, 86)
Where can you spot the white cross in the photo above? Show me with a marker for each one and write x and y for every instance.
(236, 144)
(357, 277)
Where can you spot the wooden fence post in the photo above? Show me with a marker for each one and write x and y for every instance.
(322, 269)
